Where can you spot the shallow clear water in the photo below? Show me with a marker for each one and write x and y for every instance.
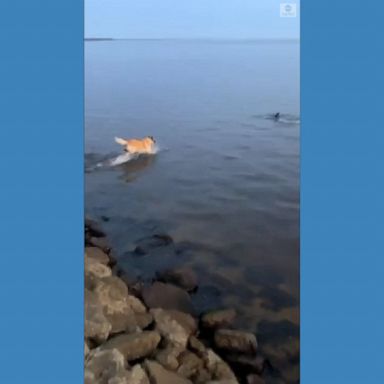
(225, 182)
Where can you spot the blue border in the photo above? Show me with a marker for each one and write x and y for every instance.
(342, 192)
(41, 226)
(41, 139)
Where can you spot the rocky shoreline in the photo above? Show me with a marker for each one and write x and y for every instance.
(150, 334)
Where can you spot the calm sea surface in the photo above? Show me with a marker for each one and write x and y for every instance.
(225, 182)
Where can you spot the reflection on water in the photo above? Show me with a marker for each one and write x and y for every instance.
(227, 188)
(132, 169)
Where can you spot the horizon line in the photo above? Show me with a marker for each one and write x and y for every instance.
(194, 38)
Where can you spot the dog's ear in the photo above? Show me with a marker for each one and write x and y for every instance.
(152, 138)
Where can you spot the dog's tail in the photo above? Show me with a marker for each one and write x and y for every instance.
(120, 141)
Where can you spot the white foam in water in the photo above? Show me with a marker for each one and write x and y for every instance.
(121, 159)
(125, 157)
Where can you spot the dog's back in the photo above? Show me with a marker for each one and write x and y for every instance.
(137, 145)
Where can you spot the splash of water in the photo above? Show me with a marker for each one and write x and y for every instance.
(125, 157)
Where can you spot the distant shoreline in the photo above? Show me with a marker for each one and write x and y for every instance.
(196, 39)
(98, 38)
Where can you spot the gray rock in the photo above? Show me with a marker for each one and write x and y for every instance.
(167, 296)
(235, 341)
(136, 305)
(132, 322)
(174, 326)
(94, 269)
(219, 318)
(136, 375)
(100, 242)
(104, 365)
(197, 346)
(97, 326)
(190, 365)
(124, 312)
(202, 376)
(160, 375)
(246, 363)
(183, 277)
(219, 369)
(168, 357)
(89, 377)
(143, 320)
(93, 228)
(134, 346)
(112, 294)
(86, 349)
(97, 254)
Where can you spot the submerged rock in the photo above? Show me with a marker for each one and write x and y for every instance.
(218, 318)
(100, 242)
(167, 296)
(235, 341)
(246, 363)
(182, 277)
(134, 346)
(160, 375)
(93, 228)
(144, 246)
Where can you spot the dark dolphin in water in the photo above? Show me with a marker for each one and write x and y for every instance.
(276, 116)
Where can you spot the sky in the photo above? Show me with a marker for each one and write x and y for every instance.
(225, 19)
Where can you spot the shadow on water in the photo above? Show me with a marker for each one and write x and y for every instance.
(131, 169)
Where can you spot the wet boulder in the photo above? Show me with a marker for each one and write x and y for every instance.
(155, 241)
(97, 255)
(183, 277)
(235, 341)
(246, 363)
(174, 326)
(136, 375)
(190, 365)
(93, 228)
(218, 318)
(134, 346)
(168, 357)
(167, 296)
(160, 375)
(100, 242)
(218, 368)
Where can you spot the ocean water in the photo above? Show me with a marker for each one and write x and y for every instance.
(224, 182)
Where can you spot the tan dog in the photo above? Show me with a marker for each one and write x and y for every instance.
(137, 146)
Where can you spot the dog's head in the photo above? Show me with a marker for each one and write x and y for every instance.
(152, 139)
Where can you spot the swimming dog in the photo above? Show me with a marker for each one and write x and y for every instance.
(137, 146)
